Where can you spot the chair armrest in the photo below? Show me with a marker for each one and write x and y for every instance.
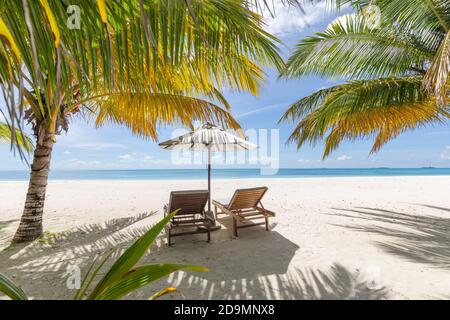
(218, 205)
(210, 215)
(266, 212)
(165, 208)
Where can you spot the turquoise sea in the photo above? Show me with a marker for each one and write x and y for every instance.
(186, 174)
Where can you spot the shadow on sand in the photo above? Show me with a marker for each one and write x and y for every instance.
(417, 238)
(257, 265)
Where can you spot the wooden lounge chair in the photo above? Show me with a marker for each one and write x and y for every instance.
(191, 218)
(245, 205)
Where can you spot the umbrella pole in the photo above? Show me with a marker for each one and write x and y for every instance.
(209, 179)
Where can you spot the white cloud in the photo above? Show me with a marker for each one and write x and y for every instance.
(304, 160)
(126, 157)
(125, 161)
(152, 160)
(98, 146)
(77, 163)
(261, 110)
(291, 19)
(445, 155)
(344, 158)
(139, 160)
(66, 152)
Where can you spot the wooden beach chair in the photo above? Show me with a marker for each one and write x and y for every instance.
(245, 205)
(191, 218)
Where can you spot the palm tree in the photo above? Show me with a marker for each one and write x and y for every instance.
(137, 63)
(396, 74)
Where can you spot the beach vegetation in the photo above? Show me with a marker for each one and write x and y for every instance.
(140, 64)
(395, 74)
(21, 140)
(123, 277)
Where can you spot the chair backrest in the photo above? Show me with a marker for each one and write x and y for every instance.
(246, 198)
(189, 201)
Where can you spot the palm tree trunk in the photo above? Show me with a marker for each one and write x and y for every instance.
(30, 227)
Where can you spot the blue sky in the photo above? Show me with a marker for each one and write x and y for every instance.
(113, 147)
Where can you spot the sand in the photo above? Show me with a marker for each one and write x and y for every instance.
(332, 238)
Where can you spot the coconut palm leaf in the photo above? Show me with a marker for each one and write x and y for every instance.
(147, 51)
(422, 14)
(123, 277)
(143, 113)
(436, 78)
(162, 293)
(433, 16)
(419, 13)
(381, 108)
(397, 74)
(130, 257)
(6, 34)
(141, 276)
(10, 289)
(348, 48)
(111, 50)
(23, 140)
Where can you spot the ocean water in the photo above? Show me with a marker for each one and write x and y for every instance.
(187, 174)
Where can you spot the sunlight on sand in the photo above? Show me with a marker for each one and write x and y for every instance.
(333, 238)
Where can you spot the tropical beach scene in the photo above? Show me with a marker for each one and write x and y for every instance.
(224, 150)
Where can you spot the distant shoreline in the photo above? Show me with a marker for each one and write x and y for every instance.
(225, 174)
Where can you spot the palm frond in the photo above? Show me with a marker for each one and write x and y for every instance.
(143, 113)
(6, 34)
(422, 14)
(196, 48)
(162, 293)
(380, 108)
(351, 50)
(436, 78)
(10, 289)
(400, 68)
(124, 276)
(141, 276)
(21, 140)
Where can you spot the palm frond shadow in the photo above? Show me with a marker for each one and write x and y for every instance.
(99, 230)
(4, 224)
(435, 207)
(49, 258)
(334, 283)
(3, 233)
(7, 222)
(416, 238)
(47, 263)
(264, 271)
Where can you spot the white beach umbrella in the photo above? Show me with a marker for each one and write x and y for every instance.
(208, 138)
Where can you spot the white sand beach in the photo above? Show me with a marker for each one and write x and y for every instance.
(332, 238)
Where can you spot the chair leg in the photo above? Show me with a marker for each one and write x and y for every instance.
(215, 212)
(169, 242)
(267, 224)
(235, 227)
(209, 236)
